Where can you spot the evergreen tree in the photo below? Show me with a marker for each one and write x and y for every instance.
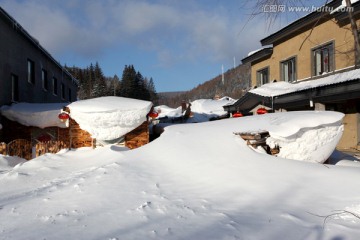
(99, 88)
(152, 91)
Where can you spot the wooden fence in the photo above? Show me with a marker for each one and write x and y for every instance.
(23, 148)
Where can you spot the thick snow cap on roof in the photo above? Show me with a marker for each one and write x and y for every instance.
(280, 88)
(108, 118)
(40, 115)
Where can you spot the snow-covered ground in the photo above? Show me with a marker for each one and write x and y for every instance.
(196, 181)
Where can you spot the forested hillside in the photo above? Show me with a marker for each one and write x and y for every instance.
(236, 82)
(93, 83)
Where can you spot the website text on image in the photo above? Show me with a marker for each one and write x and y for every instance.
(273, 8)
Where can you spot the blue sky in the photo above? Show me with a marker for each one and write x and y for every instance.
(179, 43)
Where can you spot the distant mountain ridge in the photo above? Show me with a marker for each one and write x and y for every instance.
(236, 83)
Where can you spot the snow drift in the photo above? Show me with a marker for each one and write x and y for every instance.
(196, 181)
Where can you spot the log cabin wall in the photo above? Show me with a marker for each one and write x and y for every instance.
(137, 137)
(78, 137)
(64, 135)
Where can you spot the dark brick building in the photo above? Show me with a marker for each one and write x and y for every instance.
(28, 73)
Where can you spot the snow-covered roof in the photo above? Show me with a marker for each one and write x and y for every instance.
(211, 106)
(258, 50)
(105, 118)
(40, 115)
(280, 88)
(108, 118)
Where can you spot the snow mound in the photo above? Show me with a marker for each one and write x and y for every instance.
(108, 118)
(304, 140)
(40, 115)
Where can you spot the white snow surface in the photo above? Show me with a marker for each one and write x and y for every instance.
(280, 88)
(40, 115)
(211, 106)
(196, 181)
(108, 118)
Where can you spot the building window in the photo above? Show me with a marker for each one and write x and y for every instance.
(262, 76)
(288, 70)
(55, 85)
(31, 71)
(14, 88)
(44, 79)
(323, 59)
(62, 89)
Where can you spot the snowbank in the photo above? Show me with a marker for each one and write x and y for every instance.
(108, 118)
(40, 115)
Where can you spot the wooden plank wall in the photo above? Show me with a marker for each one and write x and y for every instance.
(137, 137)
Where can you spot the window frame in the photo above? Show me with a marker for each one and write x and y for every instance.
(330, 65)
(259, 76)
(44, 80)
(289, 78)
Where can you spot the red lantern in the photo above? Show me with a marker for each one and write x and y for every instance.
(261, 111)
(237, 114)
(153, 114)
(63, 116)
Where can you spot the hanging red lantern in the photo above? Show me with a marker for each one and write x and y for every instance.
(153, 114)
(237, 114)
(63, 116)
(261, 111)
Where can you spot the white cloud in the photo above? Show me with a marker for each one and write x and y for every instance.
(175, 31)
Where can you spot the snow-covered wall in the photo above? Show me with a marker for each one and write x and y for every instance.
(108, 118)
